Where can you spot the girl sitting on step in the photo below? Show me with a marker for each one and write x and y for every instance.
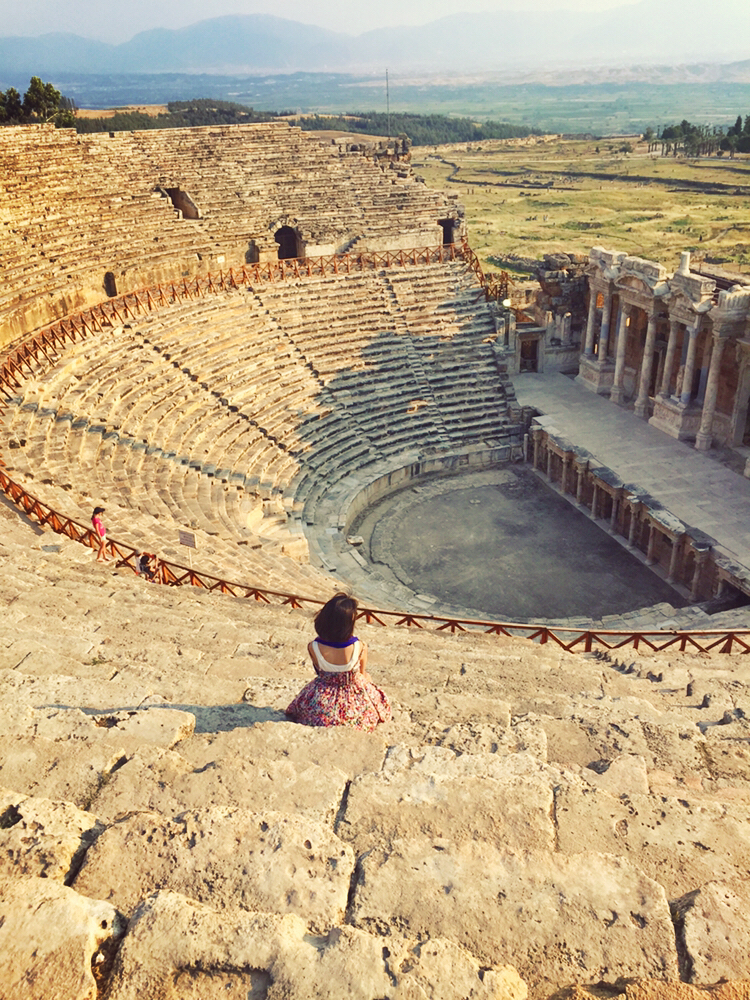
(342, 693)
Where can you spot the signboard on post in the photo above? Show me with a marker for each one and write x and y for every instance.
(187, 538)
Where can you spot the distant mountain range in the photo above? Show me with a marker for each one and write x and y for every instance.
(664, 32)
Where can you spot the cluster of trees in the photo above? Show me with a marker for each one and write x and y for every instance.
(701, 140)
(179, 114)
(41, 103)
(738, 136)
(422, 130)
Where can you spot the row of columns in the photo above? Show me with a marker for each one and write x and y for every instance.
(683, 390)
(603, 330)
(618, 500)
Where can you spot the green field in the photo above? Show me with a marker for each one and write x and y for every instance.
(532, 197)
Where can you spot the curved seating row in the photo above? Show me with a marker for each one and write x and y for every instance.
(228, 413)
(75, 208)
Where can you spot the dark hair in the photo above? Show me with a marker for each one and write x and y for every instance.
(97, 510)
(335, 620)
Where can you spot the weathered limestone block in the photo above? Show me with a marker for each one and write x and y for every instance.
(455, 708)
(728, 759)
(49, 938)
(677, 842)
(42, 838)
(654, 990)
(625, 774)
(348, 750)
(174, 942)
(525, 735)
(258, 861)
(155, 724)
(230, 953)
(466, 797)
(161, 781)
(712, 923)
(631, 725)
(43, 653)
(556, 918)
(158, 726)
(441, 970)
(68, 769)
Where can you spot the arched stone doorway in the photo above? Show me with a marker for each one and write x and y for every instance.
(289, 242)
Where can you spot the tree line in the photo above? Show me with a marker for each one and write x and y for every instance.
(179, 114)
(43, 103)
(422, 130)
(701, 140)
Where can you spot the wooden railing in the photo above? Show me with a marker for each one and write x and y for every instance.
(42, 346)
(570, 639)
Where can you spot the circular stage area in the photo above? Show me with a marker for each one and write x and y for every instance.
(503, 543)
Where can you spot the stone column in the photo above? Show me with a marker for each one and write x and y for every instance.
(622, 339)
(549, 462)
(591, 325)
(650, 558)
(634, 504)
(564, 478)
(613, 516)
(673, 559)
(537, 435)
(701, 555)
(595, 502)
(669, 359)
(565, 329)
(604, 330)
(647, 364)
(704, 437)
(687, 375)
(579, 486)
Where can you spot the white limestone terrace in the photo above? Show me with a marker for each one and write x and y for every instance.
(530, 820)
(690, 485)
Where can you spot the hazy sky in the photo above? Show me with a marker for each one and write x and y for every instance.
(116, 22)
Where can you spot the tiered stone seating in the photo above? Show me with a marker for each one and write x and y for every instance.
(523, 806)
(450, 331)
(202, 412)
(77, 207)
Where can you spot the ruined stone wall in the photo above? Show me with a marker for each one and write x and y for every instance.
(564, 287)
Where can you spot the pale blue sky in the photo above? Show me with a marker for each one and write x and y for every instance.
(115, 22)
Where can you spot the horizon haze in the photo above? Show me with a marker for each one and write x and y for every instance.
(117, 23)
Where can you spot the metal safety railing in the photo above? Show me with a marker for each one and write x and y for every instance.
(43, 345)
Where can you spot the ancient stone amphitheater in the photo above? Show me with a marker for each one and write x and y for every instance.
(248, 335)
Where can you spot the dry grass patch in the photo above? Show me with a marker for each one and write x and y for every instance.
(547, 196)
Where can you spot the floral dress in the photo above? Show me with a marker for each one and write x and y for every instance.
(340, 696)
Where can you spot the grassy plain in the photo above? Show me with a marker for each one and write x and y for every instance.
(531, 197)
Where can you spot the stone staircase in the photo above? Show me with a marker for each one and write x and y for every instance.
(529, 821)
